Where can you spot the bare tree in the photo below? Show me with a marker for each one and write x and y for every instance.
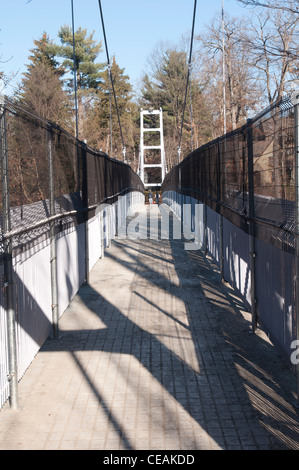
(165, 87)
(272, 42)
(240, 81)
(291, 6)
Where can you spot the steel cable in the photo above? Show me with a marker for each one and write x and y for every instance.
(188, 77)
(111, 78)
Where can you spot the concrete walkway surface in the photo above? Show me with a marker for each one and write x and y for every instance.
(155, 353)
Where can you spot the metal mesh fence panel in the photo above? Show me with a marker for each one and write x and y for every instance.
(217, 174)
(51, 185)
(44, 162)
(249, 178)
(274, 175)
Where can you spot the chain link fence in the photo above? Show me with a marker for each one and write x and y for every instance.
(47, 164)
(246, 181)
(252, 164)
(60, 203)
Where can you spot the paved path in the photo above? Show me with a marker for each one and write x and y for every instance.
(155, 353)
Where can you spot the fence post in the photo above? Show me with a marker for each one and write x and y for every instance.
(205, 230)
(8, 266)
(221, 251)
(251, 224)
(85, 205)
(295, 103)
(53, 254)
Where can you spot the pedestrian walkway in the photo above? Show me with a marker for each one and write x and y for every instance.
(155, 354)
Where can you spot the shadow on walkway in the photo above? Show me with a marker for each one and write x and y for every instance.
(230, 382)
(163, 358)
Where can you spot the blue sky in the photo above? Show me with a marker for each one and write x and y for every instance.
(133, 27)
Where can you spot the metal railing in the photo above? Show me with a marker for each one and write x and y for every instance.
(52, 187)
(247, 183)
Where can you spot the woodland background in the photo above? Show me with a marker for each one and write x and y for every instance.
(258, 56)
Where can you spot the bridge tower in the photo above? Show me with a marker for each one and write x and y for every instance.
(152, 165)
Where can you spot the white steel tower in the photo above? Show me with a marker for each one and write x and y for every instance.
(147, 160)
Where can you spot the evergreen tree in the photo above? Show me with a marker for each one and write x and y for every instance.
(42, 53)
(88, 71)
(165, 88)
(41, 88)
(122, 88)
(100, 130)
(41, 91)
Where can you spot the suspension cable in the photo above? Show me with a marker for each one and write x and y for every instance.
(188, 77)
(223, 69)
(75, 73)
(111, 79)
(110, 113)
(191, 111)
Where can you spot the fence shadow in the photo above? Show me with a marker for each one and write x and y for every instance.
(234, 387)
(255, 383)
(239, 386)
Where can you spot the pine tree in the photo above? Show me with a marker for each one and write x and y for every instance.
(41, 89)
(165, 88)
(42, 53)
(88, 71)
(126, 110)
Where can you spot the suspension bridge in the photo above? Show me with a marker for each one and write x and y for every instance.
(133, 326)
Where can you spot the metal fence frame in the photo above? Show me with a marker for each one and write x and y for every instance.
(100, 184)
(203, 178)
